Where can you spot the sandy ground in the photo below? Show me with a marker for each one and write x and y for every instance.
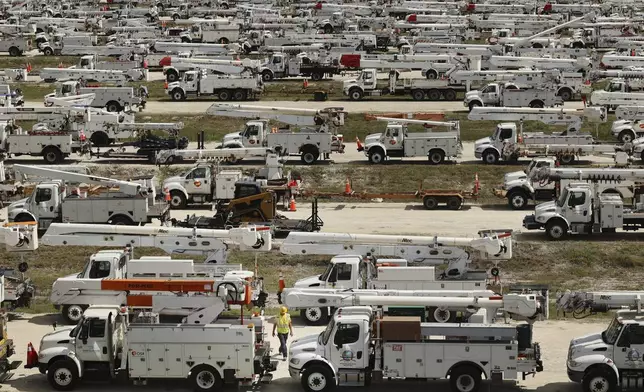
(554, 337)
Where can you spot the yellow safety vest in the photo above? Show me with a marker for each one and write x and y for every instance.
(283, 322)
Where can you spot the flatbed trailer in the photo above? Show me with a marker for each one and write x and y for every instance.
(431, 198)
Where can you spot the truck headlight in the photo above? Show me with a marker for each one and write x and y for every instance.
(295, 361)
(572, 363)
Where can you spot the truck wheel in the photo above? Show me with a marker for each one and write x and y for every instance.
(309, 157)
(565, 94)
(454, 203)
(598, 380)
(224, 41)
(178, 95)
(316, 76)
(328, 29)
(434, 95)
(113, 106)
(63, 375)
(267, 76)
(567, 159)
(14, 52)
(317, 379)
(224, 95)
(48, 51)
(171, 76)
(465, 379)
(430, 202)
(239, 95)
(355, 94)
(315, 316)
(556, 230)
(490, 157)
(72, 313)
(378, 156)
(536, 104)
(431, 74)
(450, 95)
(474, 104)
(178, 200)
(120, 220)
(438, 315)
(517, 200)
(99, 139)
(204, 378)
(418, 95)
(436, 157)
(52, 155)
(626, 136)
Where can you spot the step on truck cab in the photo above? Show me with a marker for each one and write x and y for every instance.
(358, 348)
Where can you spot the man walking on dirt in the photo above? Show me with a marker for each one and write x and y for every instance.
(284, 327)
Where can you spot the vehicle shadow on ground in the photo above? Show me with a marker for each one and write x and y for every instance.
(47, 319)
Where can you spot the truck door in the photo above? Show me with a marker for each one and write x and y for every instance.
(369, 79)
(628, 352)
(190, 81)
(490, 95)
(277, 64)
(92, 342)
(340, 276)
(578, 206)
(197, 181)
(348, 347)
(45, 205)
(251, 136)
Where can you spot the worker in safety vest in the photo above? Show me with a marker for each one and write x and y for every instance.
(284, 327)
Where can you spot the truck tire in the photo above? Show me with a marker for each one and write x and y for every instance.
(62, 375)
(267, 76)
(120, 220)
(309, 156)
(431, 74)
(598, 380)
(113, 106)
(328, 29)
(355, 94)
(171, 76)
(454, 203)
(315, 316)
(224, 95)
(178, 95)
(536, 104)
(418, 95)
(224, 41)
(316, 76)
(565, 94)
(465, 379)
(434, 95)
(474, 104)
(72, 313)
(517, 200)
(184, 39)
(626, 136)
(436, 157)
(377, 156)
(438, 315)
(14, 51)
(204, 378)
(430, 202)
(48, 51)
(567, 159)
(556, 230)
(99, 139)
(317, 378)
(239, 95)
(52, 155)
(178, 200)
(490, 157)
(450, 95)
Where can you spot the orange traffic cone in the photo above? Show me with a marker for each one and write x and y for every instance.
(359, 144)
(305, 84)
(477, 184)
(32, 357)
(60, 65)
(166, 194)
(347, 187)
(291, 204)
(280, 288)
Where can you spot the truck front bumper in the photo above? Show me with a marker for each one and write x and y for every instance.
(478, 155)
(500, 192)
(574, 375)
(294, 372)
(530, 223)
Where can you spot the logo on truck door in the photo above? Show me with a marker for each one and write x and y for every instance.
(347, 355)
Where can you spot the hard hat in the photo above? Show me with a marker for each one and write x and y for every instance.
(283, 310)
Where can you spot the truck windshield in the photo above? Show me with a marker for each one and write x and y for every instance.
(609, 336)
(326, 334)
(326, 273)
(562, 198)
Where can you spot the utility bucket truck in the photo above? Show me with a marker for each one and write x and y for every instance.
(114, 99)
(510, 95)
(618, 92)
(118, 202)
(583, 209)
(317, 138)
(378, 349)
(397, 142)
(226, 87)
(522, 186)
(49, 75)
(283, 65)
(105, 345)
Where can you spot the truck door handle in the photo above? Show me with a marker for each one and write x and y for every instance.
(51, 208)
(104, 350)
(585, 212)
(359, 355)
